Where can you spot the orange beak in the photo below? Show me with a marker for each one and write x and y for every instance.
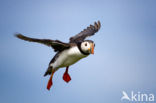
(92, 48)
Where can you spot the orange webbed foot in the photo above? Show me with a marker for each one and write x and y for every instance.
(66, 76)
(50, 83)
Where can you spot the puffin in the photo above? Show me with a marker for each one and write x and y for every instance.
(67, 53)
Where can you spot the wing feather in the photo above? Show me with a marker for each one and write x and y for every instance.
(89, 31)
(55, 44)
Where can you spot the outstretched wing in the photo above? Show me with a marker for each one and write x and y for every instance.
(91, 30)
(55, 44)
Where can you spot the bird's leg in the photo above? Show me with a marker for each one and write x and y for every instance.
(50, 82)
(66, 76)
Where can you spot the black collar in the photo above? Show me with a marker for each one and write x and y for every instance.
(79, 46)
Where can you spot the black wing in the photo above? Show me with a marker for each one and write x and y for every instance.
(55, 44)
(91, 30)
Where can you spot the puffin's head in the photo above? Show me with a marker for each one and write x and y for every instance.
(87, 46)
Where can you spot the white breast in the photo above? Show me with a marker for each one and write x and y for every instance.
(68, 57)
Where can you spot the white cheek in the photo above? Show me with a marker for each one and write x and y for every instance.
(85, 48)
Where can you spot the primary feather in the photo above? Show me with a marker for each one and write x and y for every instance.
(91, 30)
(55, 44)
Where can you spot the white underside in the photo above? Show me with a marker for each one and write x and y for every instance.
(67, 58)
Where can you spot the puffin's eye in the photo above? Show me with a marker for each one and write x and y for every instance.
(85, 44)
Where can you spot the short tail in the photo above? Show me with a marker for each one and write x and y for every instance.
(49, 71)
(42, 41)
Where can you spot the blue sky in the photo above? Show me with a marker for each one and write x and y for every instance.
(124, 56)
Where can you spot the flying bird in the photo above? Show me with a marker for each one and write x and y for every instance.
(67, 53)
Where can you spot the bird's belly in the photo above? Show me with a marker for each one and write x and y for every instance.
(68, 57)
(70, 60)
